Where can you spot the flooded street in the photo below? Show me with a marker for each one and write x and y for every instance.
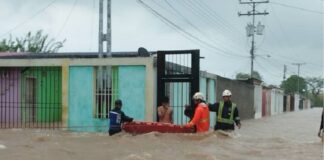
(287, 136)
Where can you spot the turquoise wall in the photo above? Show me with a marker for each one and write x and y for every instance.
(211, 96)
(81, 101)
(178, 99)
(212, 99)
(202, 85)
(132, 91)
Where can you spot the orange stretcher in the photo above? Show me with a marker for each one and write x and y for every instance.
(146, 127)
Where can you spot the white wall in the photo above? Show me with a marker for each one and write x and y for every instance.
(297, 102)
(280, 100)
(257, 101)
(273, 103)
(276, 101)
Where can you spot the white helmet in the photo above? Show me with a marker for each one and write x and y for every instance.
(227, 93)
(198, 96)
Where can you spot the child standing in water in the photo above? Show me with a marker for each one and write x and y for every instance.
(165, 111)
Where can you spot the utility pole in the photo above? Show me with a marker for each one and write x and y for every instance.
(104, 71)
(100, 36)
(298, 65)
(104, 37)
(251, 27)
(285, 71)
(108, 36)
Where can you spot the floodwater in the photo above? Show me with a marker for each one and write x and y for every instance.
(289, 136)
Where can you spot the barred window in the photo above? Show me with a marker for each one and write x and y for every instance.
(106, 90)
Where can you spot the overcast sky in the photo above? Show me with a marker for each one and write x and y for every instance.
(293, 31)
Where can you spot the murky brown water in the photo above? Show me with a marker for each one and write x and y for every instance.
(289, 136)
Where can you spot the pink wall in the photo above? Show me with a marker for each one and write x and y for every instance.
(264, 103)
(9, 95)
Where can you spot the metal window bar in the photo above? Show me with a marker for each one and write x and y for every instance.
(9, 100)
(112, 89)
(103, 92)
(104, 95)
(19, 99)
(96, 92)
(178, 94)
(1, 95)
(106, 90)
(6, 100)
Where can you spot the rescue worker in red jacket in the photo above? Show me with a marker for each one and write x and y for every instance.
(226, 112)
(201, 116)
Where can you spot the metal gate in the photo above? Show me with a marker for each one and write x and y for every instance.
(178, 78)
(30, 97)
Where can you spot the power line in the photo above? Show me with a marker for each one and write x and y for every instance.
(213, 16)
(186, 19)
(178, 13)
(67, 19)
(287, 40)
(299, 8)
(207, 19)
(226, 23)
(242, 68)
(282, 29)
(275, 61)
(277, 65)
(183, 17)
(92, 23)
(181, 30)
(288, 59)
(30, 18)
(219, 21)
(217, 24)
(273, 64)
(273, 74)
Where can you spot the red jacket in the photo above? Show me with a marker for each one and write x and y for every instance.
(201, 118)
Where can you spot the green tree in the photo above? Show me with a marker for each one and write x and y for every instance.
(291, 85)
(255, 74)
(316, 85)
(32, 43)
(8, 45)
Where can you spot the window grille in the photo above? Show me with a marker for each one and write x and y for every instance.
(106, 90)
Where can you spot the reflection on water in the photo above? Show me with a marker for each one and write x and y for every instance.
(288, 136)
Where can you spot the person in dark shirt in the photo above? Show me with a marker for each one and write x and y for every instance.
(117, 117)
(226, 112)
(190, 110)
(320, 132)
